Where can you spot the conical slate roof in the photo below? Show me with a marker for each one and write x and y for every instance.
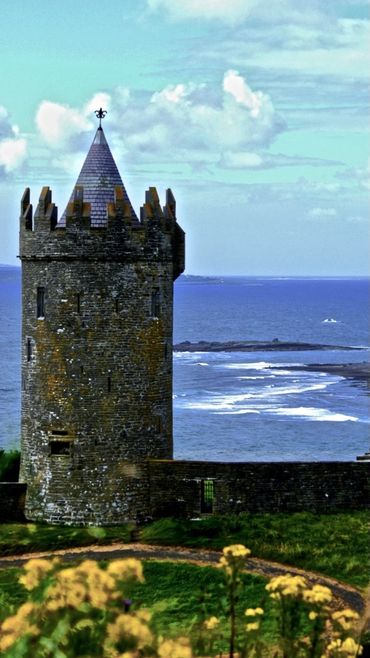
(99, 176)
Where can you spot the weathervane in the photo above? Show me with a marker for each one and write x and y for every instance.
(100, 114)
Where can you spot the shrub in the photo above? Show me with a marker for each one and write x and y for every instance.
(9, 465)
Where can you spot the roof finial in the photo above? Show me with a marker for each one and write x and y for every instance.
(100, 114)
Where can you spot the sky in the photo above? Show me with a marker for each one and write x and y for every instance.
(254, 113)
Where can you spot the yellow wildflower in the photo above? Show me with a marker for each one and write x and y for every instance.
(128, 569)
(318, 594)
(17, 625)
(253, 612)
(286, 585)
(313, 615)
(236, 550)
(35, 571)
(351, 647)
(253, 626)
(179, 648)
(75, 595)
(346, 618)
(347, 648)
(129, 626)
(211, 623)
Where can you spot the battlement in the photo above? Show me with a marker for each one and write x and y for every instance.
(156, 236)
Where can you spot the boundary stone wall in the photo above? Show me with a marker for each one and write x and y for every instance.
(176, 487)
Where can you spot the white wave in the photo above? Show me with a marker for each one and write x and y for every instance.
(188, 355)
(200, 363)
(234, 401)
(262, 365)
(312, 413)
(244, 377)
(237, 412)
(258, 365)
(330, 321)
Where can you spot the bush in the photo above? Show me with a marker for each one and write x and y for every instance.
(9, 465)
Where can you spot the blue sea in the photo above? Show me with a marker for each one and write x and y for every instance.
(232, 406)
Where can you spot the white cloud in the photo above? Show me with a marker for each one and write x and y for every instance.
(228, 11)
(13, 147)
(241, 160)
(188, 123)
(59, 123)
(12, 153)
(322, 213)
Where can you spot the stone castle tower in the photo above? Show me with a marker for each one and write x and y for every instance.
(97, 315)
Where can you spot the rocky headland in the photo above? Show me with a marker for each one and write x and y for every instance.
(359, 372)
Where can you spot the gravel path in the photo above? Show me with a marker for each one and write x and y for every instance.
(344, 595)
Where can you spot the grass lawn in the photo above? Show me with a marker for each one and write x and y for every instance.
(18, 538)
(178, 596)
(334, 544)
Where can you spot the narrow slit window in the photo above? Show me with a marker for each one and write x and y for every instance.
(40, 302)
(155, 309)
(109, 384)
(29, 349)
(78, 302)
(159, 424)
(207, 496)
(116, 305)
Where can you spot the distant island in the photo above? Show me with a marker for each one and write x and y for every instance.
(255, 346)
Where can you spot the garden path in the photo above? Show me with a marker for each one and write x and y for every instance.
(344, 595)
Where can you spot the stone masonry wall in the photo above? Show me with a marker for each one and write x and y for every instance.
(176, 487)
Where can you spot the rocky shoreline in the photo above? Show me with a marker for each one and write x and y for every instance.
(359, 372)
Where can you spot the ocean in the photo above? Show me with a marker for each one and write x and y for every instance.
(232, 406)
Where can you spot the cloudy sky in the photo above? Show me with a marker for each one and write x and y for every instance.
(255, 113)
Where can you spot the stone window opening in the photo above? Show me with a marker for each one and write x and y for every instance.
(109, 384)
(207, 496)
(29, 349)
(155, 303)
(40, 303)
(60, 445)
(78, 303)
(81, 370)
(116, 305)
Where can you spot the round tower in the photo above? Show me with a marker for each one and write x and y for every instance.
(97, 309)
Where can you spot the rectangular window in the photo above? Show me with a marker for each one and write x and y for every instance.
(207, 496)
(116, 305)
(78, 302)
(109, 384)
(60, 447)
(155, 308)
(29, 349)
(40, 302)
